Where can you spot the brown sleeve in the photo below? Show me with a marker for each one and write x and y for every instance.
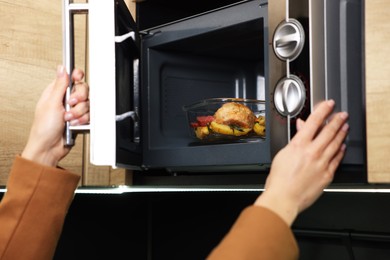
(258, 233)
(33, 209)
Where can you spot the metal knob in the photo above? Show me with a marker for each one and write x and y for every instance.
(289, 96)
(288, 40)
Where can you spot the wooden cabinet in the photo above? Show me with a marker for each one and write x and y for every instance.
(377, 38)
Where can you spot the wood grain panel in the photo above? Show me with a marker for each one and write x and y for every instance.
(131, 4)
(30, 50)
(378, 90)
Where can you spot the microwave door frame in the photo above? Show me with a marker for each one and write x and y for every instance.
(128, 135)
(336, 47)
(103, 71)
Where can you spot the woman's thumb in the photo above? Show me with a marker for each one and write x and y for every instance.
(61, 82)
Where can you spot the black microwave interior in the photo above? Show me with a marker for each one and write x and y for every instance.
(220, 53)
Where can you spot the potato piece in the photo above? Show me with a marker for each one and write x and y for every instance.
(260, 120)
(221, 129)
(228, 130)
(259, 129)
(201, 132)
(241, 131)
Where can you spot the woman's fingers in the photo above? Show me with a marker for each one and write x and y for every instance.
(335, 161)
(336, 143)
(80, 109)
(78, 100)
(325, 139)
(314, 122)
(299, 124)
(59, 85)
(84, 119)
(77, 75)
(80, 93)
(330, 131)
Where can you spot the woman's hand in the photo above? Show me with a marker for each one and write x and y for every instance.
(306, 166)
(46, 144)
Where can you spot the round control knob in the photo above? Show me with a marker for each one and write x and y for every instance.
(289, 96)
(289, 39)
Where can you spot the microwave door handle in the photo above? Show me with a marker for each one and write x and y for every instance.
(69, 10)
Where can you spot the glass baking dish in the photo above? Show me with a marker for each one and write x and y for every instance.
(226, 119)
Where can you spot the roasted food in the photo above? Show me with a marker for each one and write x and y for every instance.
(229, 129)
(231, 119)
(235, 114)
(201, 132)
(259, 126)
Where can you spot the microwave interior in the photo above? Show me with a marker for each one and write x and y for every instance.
(213, 54)
(217, 54)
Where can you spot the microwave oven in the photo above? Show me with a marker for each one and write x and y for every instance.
(291, 54)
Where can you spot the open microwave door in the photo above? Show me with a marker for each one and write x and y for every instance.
(216, 54)
(127, 89)
(113, 61)
(220, 53)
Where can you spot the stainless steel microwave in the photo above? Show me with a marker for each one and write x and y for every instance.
(291, 54)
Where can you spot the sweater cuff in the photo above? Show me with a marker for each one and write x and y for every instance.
(26, 173)
(258, 233)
